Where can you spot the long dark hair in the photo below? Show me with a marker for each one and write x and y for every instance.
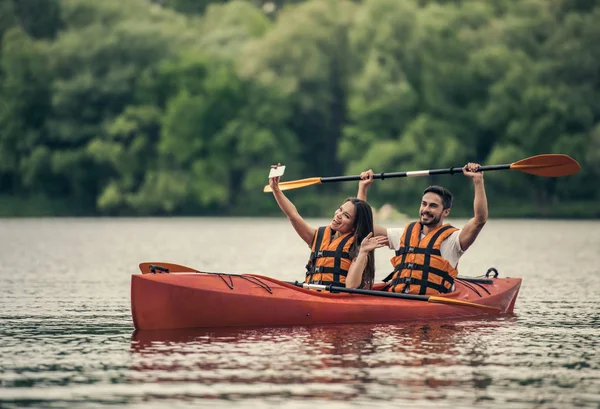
(363, 225)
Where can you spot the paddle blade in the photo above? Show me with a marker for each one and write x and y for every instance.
(173, 268)
(550, 165)
(443, 300)
(295, 184)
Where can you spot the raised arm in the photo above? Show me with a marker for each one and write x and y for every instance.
(363, 187)
(480, 209)
(306, 232)
(364, 184)
(357, 268)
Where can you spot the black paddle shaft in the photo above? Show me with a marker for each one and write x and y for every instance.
(334, 289)
(450, 171)
(387, 294)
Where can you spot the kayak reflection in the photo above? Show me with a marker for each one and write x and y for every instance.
(334, 362)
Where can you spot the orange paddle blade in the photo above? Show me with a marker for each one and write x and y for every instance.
(173, 268)
(295, 184)
(443, 300)
(550, 165)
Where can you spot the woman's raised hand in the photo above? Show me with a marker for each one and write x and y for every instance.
(274, 181)
(371, 243)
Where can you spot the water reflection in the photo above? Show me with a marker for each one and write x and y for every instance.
(334, 362)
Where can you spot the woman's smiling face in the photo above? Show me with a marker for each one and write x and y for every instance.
(343, 220)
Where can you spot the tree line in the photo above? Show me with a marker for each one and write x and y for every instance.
(178, 107)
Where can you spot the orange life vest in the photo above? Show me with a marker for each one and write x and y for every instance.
(419, 267)
(329, 260)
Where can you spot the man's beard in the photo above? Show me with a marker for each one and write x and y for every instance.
(432, 220)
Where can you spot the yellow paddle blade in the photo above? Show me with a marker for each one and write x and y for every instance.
(550, 165)
(173, 268)
(295, 184)
(443, 300)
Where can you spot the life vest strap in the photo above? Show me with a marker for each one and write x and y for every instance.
(339, 255)
(427, 262)
(407, 236)
(419, 267)
(336, 256)
(317, 245)
(417, 250)
(415, 281)
(327, 253)
(326, 270)
(409, 246)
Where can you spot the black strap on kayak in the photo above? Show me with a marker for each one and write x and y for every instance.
(250, 279)
(258, 282)
(228, 279)
(470, 287)
(476, 280)
(230, 283)
(153, 268)
(482, 287)
(491, 271)
(479, 281)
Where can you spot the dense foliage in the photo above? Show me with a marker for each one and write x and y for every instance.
(171, 107)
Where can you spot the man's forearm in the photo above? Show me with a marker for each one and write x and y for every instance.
(480, 207)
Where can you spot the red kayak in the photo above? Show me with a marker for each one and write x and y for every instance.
(169, 296)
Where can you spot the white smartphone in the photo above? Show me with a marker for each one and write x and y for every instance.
(278, 171)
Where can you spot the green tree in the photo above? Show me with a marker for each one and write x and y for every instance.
(97, 64)
(220, 133)
(188, 6)
(307, 55)
(38, 18)
(128, 152)
(547, 101)
(24, 105)
(226, 28)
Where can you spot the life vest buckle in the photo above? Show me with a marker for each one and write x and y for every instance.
(319, 253)
(317, 269)
(411, 249)
(410, 265)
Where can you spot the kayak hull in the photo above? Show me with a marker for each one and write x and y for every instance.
(196, 300)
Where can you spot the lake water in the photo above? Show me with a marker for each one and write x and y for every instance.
(67, 339)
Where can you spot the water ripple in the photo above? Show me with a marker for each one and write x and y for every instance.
(68, 341)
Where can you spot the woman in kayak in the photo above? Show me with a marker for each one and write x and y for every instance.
(342, 252)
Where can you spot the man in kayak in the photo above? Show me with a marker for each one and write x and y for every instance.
(427, 251)
(342, 253)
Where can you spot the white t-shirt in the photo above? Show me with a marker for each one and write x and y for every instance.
(450, 248)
